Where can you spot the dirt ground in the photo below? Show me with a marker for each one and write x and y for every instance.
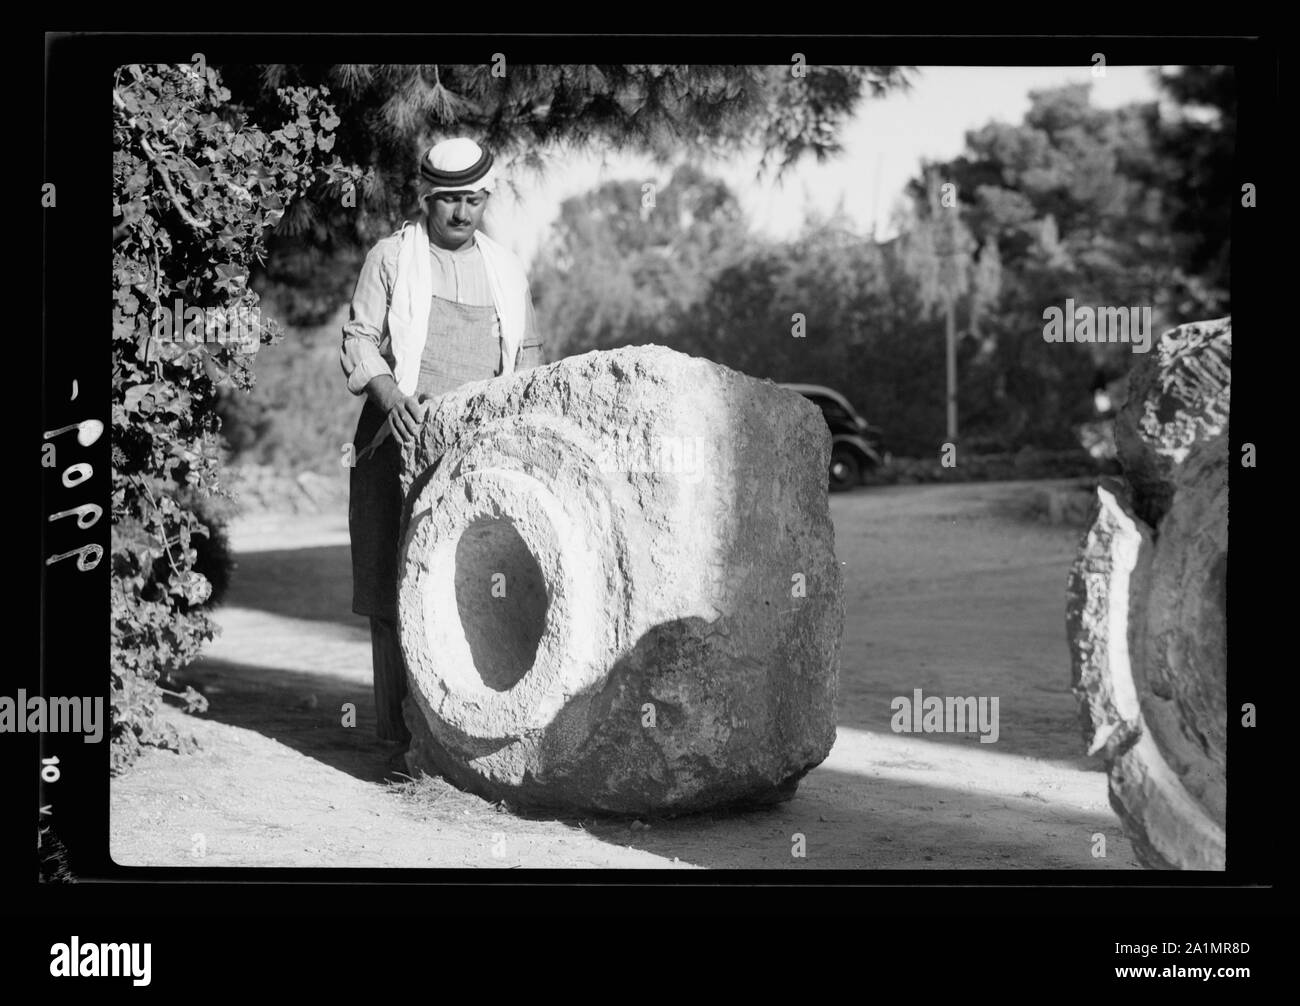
(954, 589)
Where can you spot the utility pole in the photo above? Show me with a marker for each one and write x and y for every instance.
(945, 273)
(952, 367)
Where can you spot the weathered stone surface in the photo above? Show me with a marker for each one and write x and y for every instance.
(1146, 611)
(1176, 396)
(618, 588)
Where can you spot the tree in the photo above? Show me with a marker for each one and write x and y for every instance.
(626, 261)
(830, 306)
(939, 251)
(1080, 203)
(391, 112)
(1196, 146)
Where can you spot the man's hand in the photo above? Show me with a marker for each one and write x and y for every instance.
(405, 412)
(405, 418)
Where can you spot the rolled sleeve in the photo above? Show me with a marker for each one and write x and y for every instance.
(531, 352)
(365, 333)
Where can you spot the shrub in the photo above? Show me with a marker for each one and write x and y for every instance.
(1027, 463)
(196, 186)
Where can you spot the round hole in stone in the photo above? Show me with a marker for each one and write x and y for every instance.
(502, 600)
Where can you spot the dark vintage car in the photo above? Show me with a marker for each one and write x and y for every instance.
(855, 444)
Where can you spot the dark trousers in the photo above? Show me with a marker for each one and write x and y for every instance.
(390, 680)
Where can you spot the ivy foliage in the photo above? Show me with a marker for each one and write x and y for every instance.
(196, 189)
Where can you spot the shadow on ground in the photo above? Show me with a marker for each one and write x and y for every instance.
(977, 609)
(848, 821)
(301, 710)
(312, 583)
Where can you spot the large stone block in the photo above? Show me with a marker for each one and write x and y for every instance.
(618, 587)
(1146, 612)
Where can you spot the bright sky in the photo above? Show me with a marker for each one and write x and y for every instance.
(883, 148)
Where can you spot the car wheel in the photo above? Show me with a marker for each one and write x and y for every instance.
(845, 471)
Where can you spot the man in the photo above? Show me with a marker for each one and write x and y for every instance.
(438, 304)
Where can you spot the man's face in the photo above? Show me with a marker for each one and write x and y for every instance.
(455, 216)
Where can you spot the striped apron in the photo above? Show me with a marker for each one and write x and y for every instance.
(462, 346)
